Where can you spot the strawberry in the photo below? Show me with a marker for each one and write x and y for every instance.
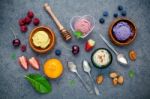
(89, 45)
(23, 62)
(34, 63)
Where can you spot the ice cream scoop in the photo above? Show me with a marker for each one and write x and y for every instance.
(122, 31)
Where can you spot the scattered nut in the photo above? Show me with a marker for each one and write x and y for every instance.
(132, 55)
(114, 81)
(120, 80)
(99, 79)
(113, 75)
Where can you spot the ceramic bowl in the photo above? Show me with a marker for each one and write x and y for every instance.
(87, 17)
(114, 39)
(51, 35)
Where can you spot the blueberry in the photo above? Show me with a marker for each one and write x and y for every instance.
(101, 20)
(105, 13)
(120, 8)
(58, 52)
(115, 15)
(123, 13)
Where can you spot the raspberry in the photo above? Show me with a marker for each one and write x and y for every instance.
(30, 14)
(36, 21)
(28, 20)
(23, 48)
(23, 28)
(22, 22)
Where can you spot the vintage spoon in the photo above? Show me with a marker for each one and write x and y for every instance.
(87, 69)
(72, 68)
(120, 57)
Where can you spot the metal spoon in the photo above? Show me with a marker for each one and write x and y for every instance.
(87, 69)
(73, 68)
(120, 57)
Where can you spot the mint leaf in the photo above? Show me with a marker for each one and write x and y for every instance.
(39, 83)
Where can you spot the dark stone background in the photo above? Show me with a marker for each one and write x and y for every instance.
(12, 82)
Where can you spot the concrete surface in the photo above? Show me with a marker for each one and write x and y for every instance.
(12, 82)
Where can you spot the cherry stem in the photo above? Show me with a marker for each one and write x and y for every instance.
(66, 47)
(13, 33)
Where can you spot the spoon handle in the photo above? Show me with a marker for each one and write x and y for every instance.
(108, 44)
(95, 88)
(86, 86)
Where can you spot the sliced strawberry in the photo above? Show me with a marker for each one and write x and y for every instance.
(23, 62)
(34, 63)
(89, 45)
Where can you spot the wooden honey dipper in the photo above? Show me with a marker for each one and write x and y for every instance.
(65, 33)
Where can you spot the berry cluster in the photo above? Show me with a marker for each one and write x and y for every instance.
(105, 14)
(23, 22)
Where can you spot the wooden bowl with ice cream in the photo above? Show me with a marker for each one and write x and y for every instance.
(42, 39)
(122, 31)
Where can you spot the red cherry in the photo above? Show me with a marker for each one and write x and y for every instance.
(16, 42)
(75, 49)
(23, 48)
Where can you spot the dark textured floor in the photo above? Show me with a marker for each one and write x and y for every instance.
(12, 82)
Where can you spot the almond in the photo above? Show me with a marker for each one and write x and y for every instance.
(114, 81)
(120, 80)
(113, 75)
(99, 79)
(132, 55)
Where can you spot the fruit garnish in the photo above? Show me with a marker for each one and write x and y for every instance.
(30, 14)
(34, 63)
(23, 28)
(105, 13)
(75, 49)
(28, 20)
(115, 15)
(16, 42)
(123, 13)
(36, 21)
(89, 45)
(23, 48)
(53, 68)
(39, 83)
(102, 20)
(120, 8)
(21, 22)
(23, 62)
(78, 34)
(57, 52)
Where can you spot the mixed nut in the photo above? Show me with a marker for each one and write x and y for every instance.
(116, 78)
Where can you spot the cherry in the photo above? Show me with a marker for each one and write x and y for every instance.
(75, 49)
(16, 42)
(23, 48)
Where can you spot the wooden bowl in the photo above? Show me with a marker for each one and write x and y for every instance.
(51, 35)
(131, 38)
